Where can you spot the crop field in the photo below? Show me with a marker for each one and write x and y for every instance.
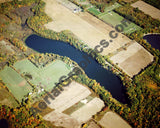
(88, 110)
(94, 11)
(114, 19)
(112, 120)
(46, 76)
(133, 59)
(15, 83)
(71, 95)
(61, 120)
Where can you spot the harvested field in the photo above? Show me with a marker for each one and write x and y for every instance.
(92, 124)
(63, 120)
(64, 19)
(71, 95)
(112, 120)
(148, 9)
(132, 60)
(86, 112)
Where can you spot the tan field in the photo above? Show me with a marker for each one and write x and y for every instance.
(60, 119)
(148, 9)
(65, 19)
(71, 95)
(92, 124)
(133, 59)
(87, 111)
(112, 120)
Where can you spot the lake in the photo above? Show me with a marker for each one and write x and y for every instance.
(154, 40)
(93, 69)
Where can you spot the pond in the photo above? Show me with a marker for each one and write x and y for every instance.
(154, 40)
(93, 69)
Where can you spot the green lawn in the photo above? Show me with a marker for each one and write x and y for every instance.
(47, 76)
(114, 19)
(16, 84)
(94, 11)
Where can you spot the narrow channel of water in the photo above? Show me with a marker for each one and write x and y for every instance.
(94, 70)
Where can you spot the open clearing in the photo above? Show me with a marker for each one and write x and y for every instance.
(63, 120)
(148, 9)
(133, 59)
(12, 79)
(72, 94)
(87, 111)
(64, 19)
(46, 76)
(115, 19)
(112, 120)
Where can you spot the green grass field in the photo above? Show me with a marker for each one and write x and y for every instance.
(16, 84)
(94, 11)
(114, 19)
(112, 7)
(47, 76)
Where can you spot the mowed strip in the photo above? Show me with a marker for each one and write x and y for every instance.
(132, 60)
(64, 19)
(70, 96)
(148, 9)
(45, 77)
(16, 84)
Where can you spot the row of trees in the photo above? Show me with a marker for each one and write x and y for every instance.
(138, 17)
(18, 43)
